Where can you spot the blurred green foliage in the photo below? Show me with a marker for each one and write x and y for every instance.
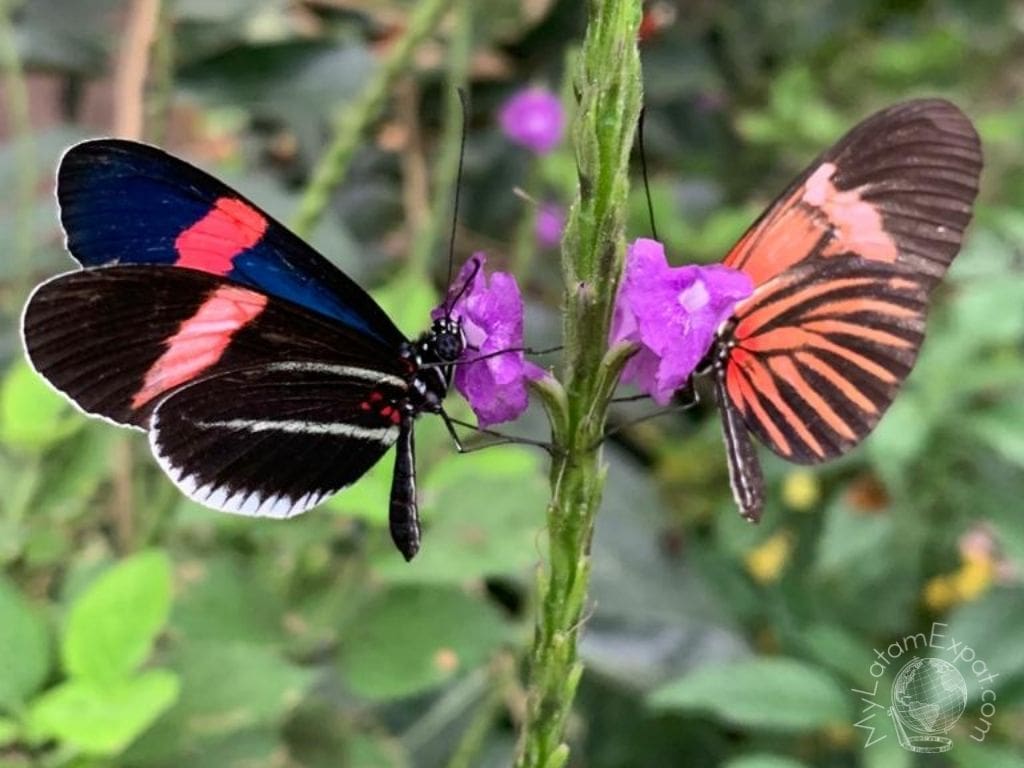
(138, 629)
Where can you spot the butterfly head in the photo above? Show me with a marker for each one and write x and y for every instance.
(447, 339)
(432, 361)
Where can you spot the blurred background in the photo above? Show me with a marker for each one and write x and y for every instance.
(138, 629)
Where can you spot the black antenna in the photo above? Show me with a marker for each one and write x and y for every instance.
(455, 208)
(465, 286)
(643, 169)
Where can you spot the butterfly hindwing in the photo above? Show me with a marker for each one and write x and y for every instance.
(820, 352)
(122, 202)
(275, 440)
(116, 340)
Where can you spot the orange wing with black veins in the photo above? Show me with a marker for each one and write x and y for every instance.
(843, 265)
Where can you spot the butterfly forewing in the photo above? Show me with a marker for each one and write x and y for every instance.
(898, 188)
(116, 340)
(843, 264)
(122, 202)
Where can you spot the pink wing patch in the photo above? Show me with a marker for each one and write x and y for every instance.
(227, 230)
(858, 224)
(201, 340)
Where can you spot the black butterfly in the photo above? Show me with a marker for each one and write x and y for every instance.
(266, 378)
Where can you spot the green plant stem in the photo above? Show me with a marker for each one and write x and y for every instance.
(21, 127)
(331, 168)
(610, 94)
(447, 168)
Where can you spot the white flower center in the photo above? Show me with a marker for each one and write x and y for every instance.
(694, 297)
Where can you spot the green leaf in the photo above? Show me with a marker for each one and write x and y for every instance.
(886, 753)
(76, 468)
(24, 647)
(913, 59)
(230, 686)
(991, 310)
(410, 639)
(1009, 529)
(235, 748)
(10, 731)
(224, 600)
(969, 754)
(111, 627)
(849, 540)
(901, 436)
(770, 693)
(834, 647)
(1002, 429)
(33, 416)
(870, 565)
(103, 719)
(719, 231)
(366, 751)
(300, 74)
(992, 628)
(798, 112)
(764, 761)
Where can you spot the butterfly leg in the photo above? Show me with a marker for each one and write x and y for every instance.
(630, 398)
(489, 355)
(403, 513)
(685, 399)
(503, 439)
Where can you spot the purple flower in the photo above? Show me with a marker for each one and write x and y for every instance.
(533, 118)
(491, 311)
(550, 223)
(672, 313)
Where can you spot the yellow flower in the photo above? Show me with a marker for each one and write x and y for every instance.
(766, 561)
(971, 580)
(939, 593)
(801, 490)
(974, 577)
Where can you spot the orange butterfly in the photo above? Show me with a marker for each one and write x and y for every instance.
(843, 264)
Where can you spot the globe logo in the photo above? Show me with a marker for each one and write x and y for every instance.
(928, 698)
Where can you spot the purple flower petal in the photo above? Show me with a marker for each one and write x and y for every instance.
(491, 311)
(550, 223)
(534, 119)
(672, 313)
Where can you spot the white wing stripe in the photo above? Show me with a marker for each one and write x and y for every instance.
(347, 371)
(383, 435)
